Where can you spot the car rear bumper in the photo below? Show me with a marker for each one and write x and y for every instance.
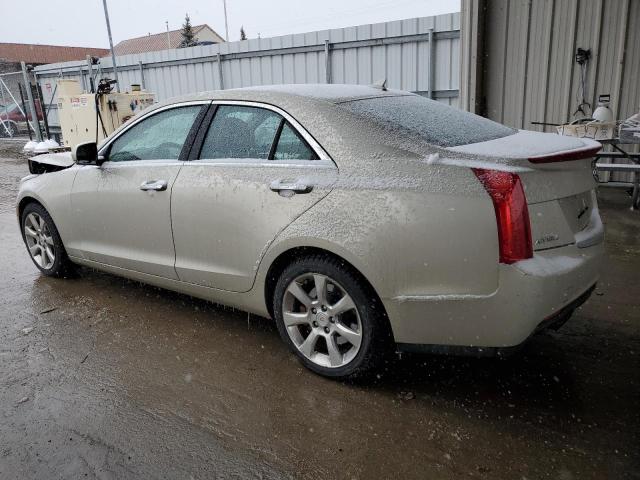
(531, 294)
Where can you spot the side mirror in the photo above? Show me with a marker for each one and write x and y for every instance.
(86, 154)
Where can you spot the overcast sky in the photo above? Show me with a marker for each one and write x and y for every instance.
(81, 22)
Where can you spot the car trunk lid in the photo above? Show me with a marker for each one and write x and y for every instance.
(556, 175)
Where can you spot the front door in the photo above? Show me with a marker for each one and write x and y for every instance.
(255, 174)
(121, 209)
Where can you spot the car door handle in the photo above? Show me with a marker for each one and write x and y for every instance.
(290, 188)
(156, 185)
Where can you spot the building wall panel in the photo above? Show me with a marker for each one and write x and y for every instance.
(529, 68)
(525, 51)
(404, 61)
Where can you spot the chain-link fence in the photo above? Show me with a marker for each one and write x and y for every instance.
(16, 119)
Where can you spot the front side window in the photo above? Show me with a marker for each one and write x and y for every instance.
(159, 137)
(239, 131)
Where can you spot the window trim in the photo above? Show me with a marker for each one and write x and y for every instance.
(276, 142)
(322, 157)
(197, 123)
(276, 139)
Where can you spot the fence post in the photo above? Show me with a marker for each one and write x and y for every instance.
(24, 112)
(45, 120)
(220, 78)
(32, 105)
(6, 111)
(142, 83)
(432, 64)
(327, 61)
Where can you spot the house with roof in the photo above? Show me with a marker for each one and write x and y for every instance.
(36, 54)
(11, 54)
(166, 40)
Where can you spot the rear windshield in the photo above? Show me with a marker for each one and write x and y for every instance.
(437, 123)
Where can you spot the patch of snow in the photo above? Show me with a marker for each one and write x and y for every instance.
(29, 147)
(435, 159)
(62, 159)
(435, 122)
(525, 144)
(41, 147)
(441, 298)
(332, 92)
(542, 266)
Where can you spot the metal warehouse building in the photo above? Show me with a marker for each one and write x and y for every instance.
(419, 54)
(518, 58)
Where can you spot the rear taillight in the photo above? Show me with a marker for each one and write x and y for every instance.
(512, 214)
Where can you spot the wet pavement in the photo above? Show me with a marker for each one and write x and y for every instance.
(101, 377)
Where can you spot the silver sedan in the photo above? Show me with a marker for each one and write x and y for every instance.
(361, 219)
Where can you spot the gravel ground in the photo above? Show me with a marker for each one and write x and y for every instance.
(105, 378)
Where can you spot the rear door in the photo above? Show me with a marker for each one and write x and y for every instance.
(257, 170)
(122, 208)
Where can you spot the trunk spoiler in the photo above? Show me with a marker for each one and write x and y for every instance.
(567, 156)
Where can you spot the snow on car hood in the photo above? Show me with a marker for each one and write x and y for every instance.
(62, 160)
(525, 144)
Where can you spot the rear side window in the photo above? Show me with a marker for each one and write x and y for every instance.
(240, 132)
(251, 132)
(437, 123)
(291, 146)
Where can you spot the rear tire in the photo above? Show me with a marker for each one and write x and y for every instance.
(43, 242)
(341, 333)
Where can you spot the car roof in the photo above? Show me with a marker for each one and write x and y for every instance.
(332, 93)
(316, 108)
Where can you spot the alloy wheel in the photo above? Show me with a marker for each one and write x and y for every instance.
(39, 241)
(322, 320)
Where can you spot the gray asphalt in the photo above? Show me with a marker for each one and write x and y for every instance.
(105, 378)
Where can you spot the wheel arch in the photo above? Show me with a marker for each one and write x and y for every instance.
(284, 258)
(24, 201)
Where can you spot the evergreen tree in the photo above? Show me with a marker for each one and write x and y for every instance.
(243, 35)
(189, 39)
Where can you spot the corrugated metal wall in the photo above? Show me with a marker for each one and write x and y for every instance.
(529, 71)
(398, 51)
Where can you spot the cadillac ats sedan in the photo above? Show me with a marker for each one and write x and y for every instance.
(363, 220)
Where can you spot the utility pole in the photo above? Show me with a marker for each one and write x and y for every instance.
(32, 105)
(113, 55)
(90, 70)
(226, 24)
(168, 36)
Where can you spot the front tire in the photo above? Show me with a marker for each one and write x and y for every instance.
(43, 242)
(331, 318)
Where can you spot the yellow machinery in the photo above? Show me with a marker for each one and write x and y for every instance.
(78, 116)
